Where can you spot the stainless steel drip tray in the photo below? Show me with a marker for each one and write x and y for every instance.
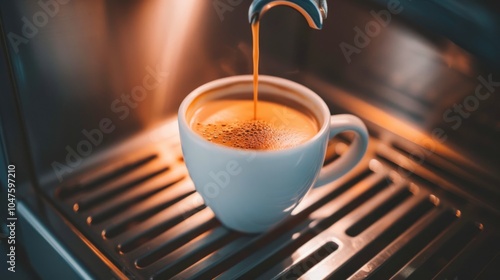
(141, 214)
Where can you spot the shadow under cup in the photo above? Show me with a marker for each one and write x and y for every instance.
(253, 190)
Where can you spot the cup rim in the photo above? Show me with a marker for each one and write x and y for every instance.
(273, 80)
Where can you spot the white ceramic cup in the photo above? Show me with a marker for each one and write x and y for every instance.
(253, 190)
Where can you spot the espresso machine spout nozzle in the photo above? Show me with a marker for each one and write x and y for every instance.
(315, 11)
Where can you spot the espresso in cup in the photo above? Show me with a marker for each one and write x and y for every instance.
(232, 123)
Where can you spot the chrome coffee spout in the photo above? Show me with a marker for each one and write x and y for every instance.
(314, 11)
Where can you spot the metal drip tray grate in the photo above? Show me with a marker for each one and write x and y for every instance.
(144, 215)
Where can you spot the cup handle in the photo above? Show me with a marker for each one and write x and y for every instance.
(356, 151)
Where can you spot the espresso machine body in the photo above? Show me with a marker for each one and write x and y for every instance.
(89, 97)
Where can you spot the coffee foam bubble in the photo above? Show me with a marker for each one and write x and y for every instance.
(251, 134)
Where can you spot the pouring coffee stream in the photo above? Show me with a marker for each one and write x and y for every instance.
(315, 11)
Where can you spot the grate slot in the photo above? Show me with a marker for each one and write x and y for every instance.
(379, 212)
(163, 224)
(91, 201)
(383, 240)
(383, 183)
(152, 233)
(397, 260)
(421, 177)
(279, 255)
(443, 168)
(447, 251)
(301, 267)
(134, 199)
(241, 252)
(135, 220)
(176, 242)
(195, 251)
(462, 190)
(438, 168)
(492, 270)
(90, 184)
(314, 205)
(203, 221)
(210, 266)
(476, 261)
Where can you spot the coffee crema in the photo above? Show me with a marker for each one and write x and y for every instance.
(231, 123)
